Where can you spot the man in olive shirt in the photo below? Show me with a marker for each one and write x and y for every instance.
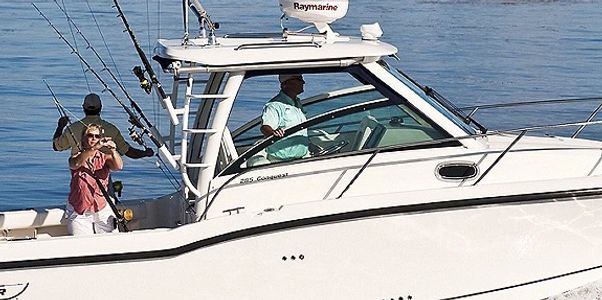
(282, 112)
(63, 140)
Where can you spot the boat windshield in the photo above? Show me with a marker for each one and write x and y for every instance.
(441, 107)
(374, 124)
(338, 121)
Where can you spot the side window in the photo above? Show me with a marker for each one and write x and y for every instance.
(319, 90)
(373, 128)
(246, 135)
(338, 99)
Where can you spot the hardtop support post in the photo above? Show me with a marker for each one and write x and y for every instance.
(210, 157)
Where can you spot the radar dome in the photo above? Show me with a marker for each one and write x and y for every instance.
(319, 12)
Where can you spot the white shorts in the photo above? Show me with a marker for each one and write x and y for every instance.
(90, 223)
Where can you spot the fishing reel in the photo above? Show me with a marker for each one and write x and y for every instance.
(144, 83)
(136, 136)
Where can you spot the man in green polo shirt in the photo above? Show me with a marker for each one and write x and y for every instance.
(282, 112)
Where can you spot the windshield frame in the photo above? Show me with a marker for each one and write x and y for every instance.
(364, 76)
(235, 166)
(434, 102)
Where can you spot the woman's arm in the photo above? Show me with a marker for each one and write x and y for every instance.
(113, 158)
(79, 159)
(114, 161)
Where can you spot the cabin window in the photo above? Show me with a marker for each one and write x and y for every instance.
(346, 115)
(322, 93)
(373, 125)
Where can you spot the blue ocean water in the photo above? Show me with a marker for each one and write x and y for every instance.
(472, 51)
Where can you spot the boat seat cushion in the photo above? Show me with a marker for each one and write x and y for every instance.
(32, 218)
(367, 126)
(258, 159)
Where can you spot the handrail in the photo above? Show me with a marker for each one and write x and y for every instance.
(283, 44)
(491, 133)
(338, 63)
(591, 117)
(525, 103)
(474, 109)
(497, 160)
(357, 175)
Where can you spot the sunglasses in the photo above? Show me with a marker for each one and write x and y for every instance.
(92, 135)
(299, 79)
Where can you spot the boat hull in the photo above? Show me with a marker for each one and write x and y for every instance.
(531, 248)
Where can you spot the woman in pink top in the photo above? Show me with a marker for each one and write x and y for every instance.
(87, 209)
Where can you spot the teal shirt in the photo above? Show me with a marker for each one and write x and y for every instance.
(284, 112)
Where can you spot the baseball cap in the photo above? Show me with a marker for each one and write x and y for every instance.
(92, 102)
(286, 77)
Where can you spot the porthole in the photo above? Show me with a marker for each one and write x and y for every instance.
(456, 170)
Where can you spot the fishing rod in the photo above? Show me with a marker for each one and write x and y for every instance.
(147, 129)
(120, 219)
(62, 113)
(135, 136)
(104, 41)
(76, 47)
(147, 65)
(137, 70)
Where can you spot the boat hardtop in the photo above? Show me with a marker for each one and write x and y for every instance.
(244, 52)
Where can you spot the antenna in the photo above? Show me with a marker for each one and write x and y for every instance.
(203, 18)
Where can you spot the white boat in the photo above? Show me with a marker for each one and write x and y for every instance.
(404, 198)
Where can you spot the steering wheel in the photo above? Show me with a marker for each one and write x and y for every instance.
(332, 149)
